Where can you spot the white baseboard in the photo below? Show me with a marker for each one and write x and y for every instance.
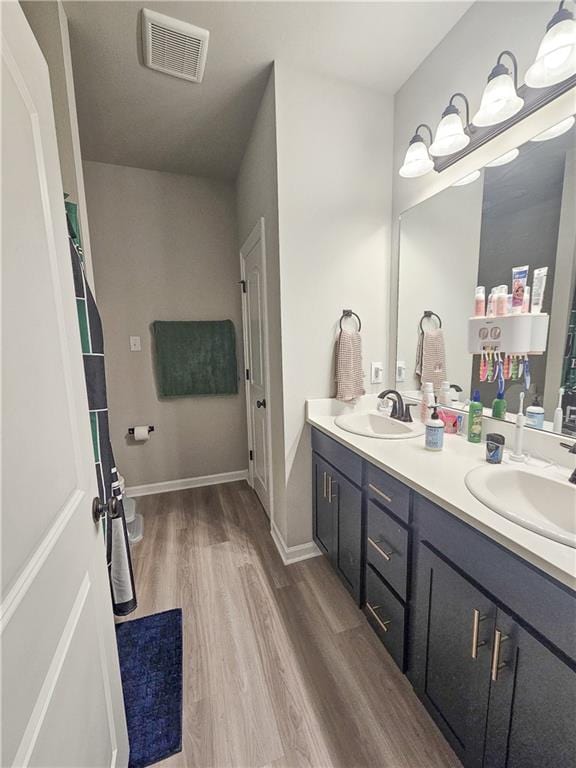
(186, 482)
(295, 554)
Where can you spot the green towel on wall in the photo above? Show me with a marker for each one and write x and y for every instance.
(195, 358)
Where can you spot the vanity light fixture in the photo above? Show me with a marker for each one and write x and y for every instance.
(555, 130)
(417, 161)
(500, 99)
(503, 159)
(467, 179)
(450, 136)
(556, 57)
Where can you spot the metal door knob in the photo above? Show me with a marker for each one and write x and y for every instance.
(260, 403)
(99, 509)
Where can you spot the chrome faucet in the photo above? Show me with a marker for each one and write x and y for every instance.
(400, 410)
(571, 449)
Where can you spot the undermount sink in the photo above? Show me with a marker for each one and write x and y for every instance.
(376, 424)
(533, 498)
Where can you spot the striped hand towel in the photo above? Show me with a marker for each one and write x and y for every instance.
(431, 358)
(349, 373)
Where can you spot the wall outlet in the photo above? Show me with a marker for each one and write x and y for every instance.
(135, 345)
(376, 373)
(400, 370)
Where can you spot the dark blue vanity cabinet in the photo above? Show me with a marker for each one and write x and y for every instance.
(487, 640)
(337, 523)
(492, 648)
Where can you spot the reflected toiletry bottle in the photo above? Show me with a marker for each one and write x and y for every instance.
(501, 300)
(499, 406)
(490, 308)
(558, 413)
(480, 301)
(538, 285)
(535, 414)
(526, 300)
(427, 400)
(445, 396)
(475, 411)
(434, 439)
(519, 280)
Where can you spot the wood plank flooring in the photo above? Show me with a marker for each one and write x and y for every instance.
(281, 670)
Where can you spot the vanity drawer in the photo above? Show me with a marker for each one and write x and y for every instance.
(389, 492)
(387, 547)
(345, 461)
(386, 615)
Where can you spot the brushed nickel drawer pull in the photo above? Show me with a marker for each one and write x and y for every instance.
(385, 555)
(382, 624)
(477, 618)
(380, 493)
(324, 493)
(330, 496)
(497, 665)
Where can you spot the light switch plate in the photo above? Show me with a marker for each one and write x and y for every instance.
(135, 345)
(376, 373)
(400, 370)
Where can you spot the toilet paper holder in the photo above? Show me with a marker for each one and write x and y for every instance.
(131, 430)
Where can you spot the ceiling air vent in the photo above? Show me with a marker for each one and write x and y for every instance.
(174, 47)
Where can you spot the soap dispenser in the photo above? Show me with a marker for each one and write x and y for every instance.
(434, 440)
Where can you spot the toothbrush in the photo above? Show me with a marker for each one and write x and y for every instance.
(518, 450)
(558, 414)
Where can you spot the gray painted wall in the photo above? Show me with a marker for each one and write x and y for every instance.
(257, 196)
(164, 248)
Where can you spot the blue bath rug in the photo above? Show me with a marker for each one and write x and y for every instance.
(150, 651)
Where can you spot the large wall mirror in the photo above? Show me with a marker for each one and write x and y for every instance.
(522, 212)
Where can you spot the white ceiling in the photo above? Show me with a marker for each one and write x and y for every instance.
(131, 115)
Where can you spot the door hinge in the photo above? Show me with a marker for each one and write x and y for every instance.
(251, 455)
(247, 374)
(243, 284)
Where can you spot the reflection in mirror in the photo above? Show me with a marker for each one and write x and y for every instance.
(516, 213)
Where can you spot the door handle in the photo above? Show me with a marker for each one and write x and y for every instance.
(330, 496)
(325, 476)
(477, 618)
(99, 510)
(261, 403)
(497, 665)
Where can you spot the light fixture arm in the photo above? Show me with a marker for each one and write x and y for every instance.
(467, 104)
(514, 61)
(424, 125)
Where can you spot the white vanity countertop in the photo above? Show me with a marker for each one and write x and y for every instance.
(439, 476)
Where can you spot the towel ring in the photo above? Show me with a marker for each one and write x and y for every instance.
(428, 314)
(349, 313)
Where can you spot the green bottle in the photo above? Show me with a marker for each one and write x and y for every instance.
(475, 413)
(499, 406)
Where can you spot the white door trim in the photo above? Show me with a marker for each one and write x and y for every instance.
(258, 233)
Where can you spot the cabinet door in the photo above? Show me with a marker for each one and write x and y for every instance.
(454, 625)
(347, 501)
(324, 511)
(532, 713)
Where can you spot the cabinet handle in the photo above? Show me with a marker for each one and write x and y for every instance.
(382, 624)
(497, 665)
(324, 492)
(385, 555)
(380, 493)
(477, 618)
(330, 496)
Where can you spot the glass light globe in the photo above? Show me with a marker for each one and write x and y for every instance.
(467, 179)
(556, 58)
(503, 159)
(499, 101)
(450, 136)
(417, 161)
(555, 130)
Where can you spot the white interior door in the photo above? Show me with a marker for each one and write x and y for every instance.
(253, 267)
(61, 692)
